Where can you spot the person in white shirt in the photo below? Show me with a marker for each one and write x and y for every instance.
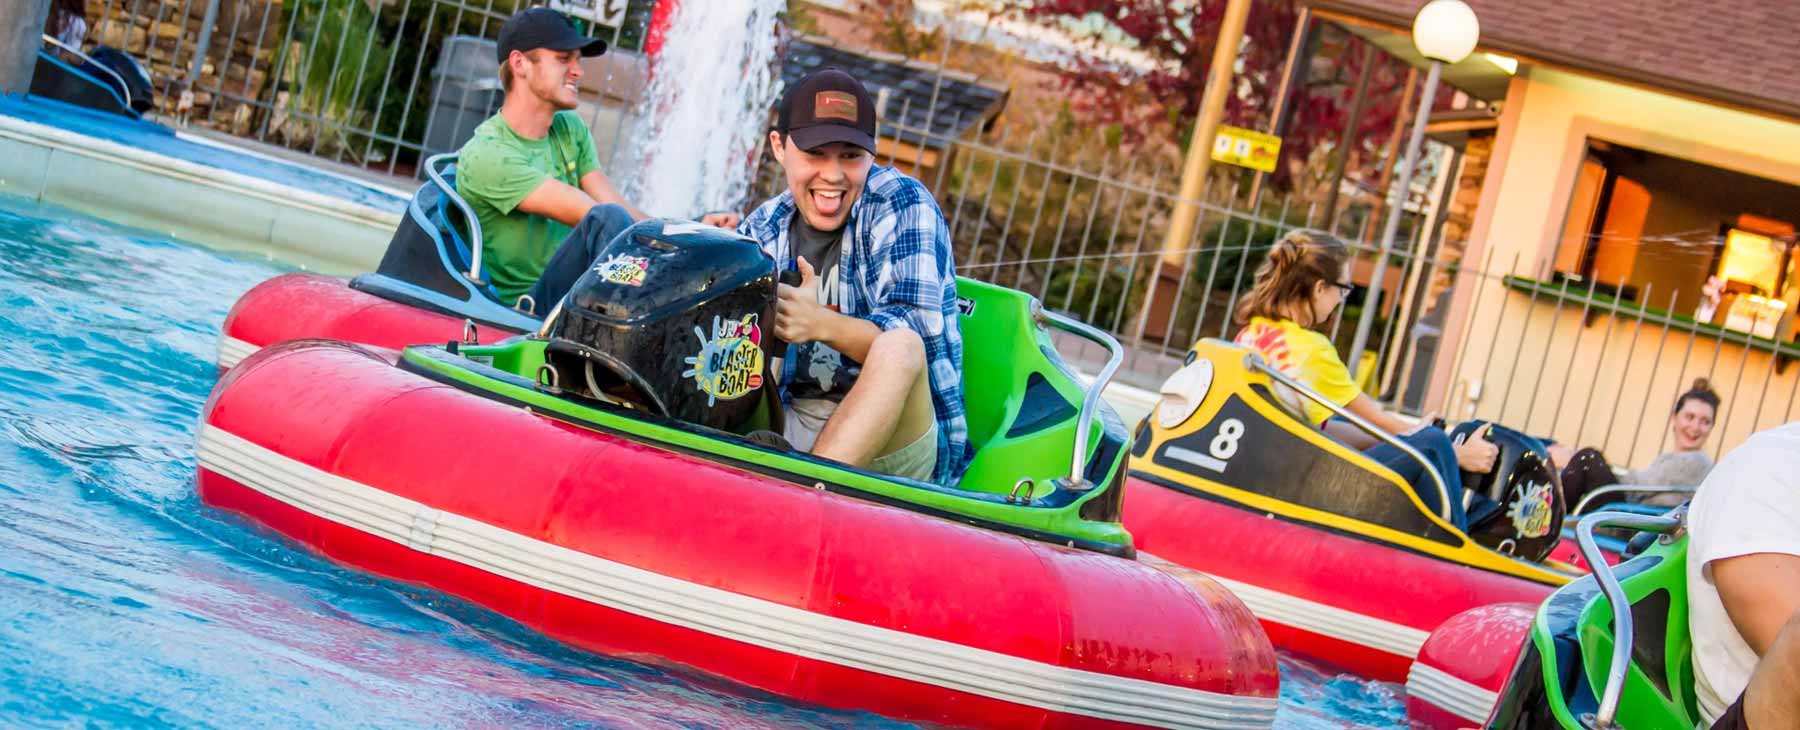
(1743, 570)
(1772, 701)
(68, 22)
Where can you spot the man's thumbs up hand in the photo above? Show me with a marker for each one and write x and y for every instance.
(799, 318)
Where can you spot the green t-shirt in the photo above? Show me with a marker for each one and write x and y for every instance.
(496, 170)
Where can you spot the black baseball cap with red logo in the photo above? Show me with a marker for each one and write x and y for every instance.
(827, 106)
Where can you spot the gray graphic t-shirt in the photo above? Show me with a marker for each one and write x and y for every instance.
(819, 371)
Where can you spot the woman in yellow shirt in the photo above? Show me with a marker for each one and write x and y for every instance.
(1297, 288)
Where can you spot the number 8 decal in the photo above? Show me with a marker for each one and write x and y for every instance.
(1225, 445)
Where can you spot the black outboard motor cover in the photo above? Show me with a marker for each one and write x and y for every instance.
(682, 313)
(1527, 488)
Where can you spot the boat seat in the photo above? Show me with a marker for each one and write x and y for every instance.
(427, 262)
(451, 224)
(1266, 447)
(1659, 688)
(58, 79)
(1020, 398)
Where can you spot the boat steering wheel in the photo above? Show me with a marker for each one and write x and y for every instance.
(1526, 490)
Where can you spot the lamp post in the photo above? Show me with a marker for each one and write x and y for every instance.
(1157, 319)
(1444, 31)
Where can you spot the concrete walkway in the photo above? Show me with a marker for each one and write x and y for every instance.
(1133, 390)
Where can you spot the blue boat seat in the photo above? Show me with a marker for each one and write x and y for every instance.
(428, 260)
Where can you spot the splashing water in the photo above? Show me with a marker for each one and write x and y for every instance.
(702, 122)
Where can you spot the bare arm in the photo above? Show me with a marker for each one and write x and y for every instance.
(558, 201)
(1353, 436)
(598, 187)
(850, 336)
(1760, 591)
(1773, 698)
(1475, 454)
(1349, 435)
(1373, 412)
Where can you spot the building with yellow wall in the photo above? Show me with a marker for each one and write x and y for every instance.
(1635, 155)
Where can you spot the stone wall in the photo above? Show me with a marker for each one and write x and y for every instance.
(164, 35)
(1459, 218)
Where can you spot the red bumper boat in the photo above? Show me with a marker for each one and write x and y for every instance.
(512, 475)
(1334, 553)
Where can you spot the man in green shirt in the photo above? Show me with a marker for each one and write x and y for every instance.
(530, 171)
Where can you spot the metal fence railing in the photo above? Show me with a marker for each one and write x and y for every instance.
(1075, 221)
(1510, 341)
(1084, 233)
(356, 81)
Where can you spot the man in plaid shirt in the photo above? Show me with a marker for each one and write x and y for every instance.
(873, 372)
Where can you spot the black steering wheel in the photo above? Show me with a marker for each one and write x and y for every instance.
(1524, 486)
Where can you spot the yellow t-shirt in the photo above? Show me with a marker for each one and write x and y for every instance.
(1304, 355)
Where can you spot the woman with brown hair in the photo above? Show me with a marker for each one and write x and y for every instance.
(1297, 288)
(1685, 465)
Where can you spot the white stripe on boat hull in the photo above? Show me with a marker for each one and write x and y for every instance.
(1453, 695)
(718, 612)
(1318, 618)
(233, 351)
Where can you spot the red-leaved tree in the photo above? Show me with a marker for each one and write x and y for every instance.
(1160, 102)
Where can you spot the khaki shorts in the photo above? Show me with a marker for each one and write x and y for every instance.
(916, 460)
(806, 417)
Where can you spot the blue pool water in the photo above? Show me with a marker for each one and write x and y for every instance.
(125, 603)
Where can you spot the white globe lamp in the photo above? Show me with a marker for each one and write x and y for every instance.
(1446, 30)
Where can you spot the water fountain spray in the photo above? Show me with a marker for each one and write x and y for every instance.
(704, 117)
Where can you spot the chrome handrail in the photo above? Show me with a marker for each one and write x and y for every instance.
(1581, 506)
(437, 178)
(123, 87)
(1078, 463)
(1615, 597)
(1256, 362)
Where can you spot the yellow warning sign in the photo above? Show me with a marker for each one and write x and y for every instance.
(1246, 148)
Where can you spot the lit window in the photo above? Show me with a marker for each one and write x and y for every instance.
(1752, 259)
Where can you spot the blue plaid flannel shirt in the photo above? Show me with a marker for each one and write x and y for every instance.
(894, 269)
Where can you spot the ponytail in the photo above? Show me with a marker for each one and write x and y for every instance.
(1285, 278)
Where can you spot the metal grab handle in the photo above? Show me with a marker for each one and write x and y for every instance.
(123, 88)
(1078, 463)
(543, 332)
(1255, 362)
(1629, 488)
(437, 178)
(1615, 596)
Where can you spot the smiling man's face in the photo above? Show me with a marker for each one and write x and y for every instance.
(552, 76)
(825, 180)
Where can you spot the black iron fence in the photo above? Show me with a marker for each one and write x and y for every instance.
(1074, 220)
(376, 83)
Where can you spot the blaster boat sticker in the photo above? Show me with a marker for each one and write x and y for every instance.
(730, 363)
(621, 269)
(1531, 514)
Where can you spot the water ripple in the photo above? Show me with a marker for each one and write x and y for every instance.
(125, 603)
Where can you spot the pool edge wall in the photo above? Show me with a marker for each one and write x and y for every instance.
(190, 201)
